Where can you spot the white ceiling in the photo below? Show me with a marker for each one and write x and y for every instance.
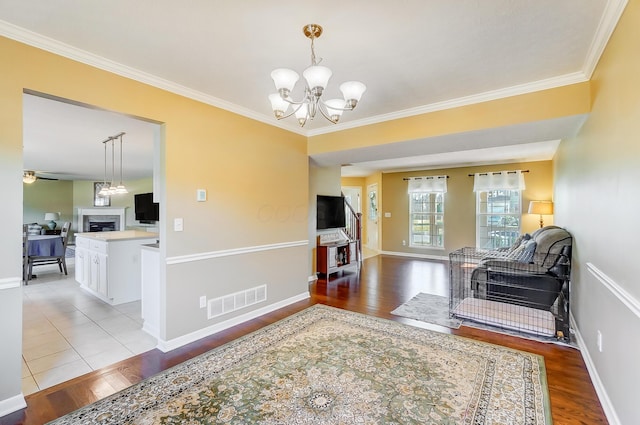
(413, 55)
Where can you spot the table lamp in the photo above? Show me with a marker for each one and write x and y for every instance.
(542, 208)
(52, 217)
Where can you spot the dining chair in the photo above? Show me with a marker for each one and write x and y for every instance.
(37, 260)
(25, 253)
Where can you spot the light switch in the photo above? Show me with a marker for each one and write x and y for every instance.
(178, 224)
(201, 195)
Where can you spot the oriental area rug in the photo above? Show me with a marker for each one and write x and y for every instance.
(329, 366)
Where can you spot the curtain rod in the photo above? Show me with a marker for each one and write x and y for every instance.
(498, 172)
(426, 177)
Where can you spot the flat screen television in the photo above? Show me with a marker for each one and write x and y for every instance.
(330, 212)
(147, 211)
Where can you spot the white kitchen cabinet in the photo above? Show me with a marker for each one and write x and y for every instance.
(110, 264)
(82, 266)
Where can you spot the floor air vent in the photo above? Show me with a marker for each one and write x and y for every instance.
(232, 302)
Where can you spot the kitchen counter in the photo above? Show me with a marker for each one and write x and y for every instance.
(123, 235)
(108, 263)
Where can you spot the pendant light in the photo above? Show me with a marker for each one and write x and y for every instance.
(109, 188)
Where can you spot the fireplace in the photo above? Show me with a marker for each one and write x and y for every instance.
(103, 225)
(101, 219)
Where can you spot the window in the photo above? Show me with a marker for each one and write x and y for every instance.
(498, 215)
(498, 208)
(426, 211)
(426, 220)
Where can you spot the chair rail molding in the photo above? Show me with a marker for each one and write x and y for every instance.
(235, 251)
(625, 297)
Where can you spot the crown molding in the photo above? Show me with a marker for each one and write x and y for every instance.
(549, 83)
(610, 17)
(62, 49)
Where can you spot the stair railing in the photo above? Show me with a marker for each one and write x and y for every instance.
(353, 228)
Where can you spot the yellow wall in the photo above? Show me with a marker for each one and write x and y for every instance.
(255, 174)
(598, 199)
(460, 205)
(547, 104)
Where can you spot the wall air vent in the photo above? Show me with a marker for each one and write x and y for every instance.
(236, 301)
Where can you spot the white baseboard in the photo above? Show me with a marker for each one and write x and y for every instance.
(10, 282)
(413, 255)
(605, 401)
(12, 404)
(172, 344)
(313, 278)
(153, 331)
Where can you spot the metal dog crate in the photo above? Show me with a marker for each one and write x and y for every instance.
(490, 288)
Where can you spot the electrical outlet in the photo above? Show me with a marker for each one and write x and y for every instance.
(404, 243)
(203, 301)
(599, 341)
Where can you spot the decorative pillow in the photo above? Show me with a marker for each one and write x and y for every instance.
(518, 245)
(527, 253)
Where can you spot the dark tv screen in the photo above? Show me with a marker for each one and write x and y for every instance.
(330, 212)
(146, 210)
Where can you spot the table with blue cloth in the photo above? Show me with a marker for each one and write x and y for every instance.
(45, 245)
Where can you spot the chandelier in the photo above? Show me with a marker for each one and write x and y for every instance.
(109, 188)
(317, 78)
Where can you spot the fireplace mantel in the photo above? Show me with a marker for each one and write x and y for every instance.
(117, 212)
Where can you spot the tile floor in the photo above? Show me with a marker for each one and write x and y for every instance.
(68, 332)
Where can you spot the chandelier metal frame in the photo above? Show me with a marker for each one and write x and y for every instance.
(316, 80)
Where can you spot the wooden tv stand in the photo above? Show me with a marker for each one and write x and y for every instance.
(336, 256)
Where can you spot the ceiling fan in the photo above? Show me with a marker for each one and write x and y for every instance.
(29, 177)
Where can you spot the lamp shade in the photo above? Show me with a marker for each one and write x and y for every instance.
(302, 113)
(284, 79)
(541, 207)
(335, 108)
(352, 92)
(317, 76)
(278, 104)
(51, 216)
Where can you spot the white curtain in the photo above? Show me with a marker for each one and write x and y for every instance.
(428, 184)
(503, 180)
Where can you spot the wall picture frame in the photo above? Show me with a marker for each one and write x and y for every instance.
(100, 200)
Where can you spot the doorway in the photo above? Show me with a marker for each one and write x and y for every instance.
(353, 195)
(67, 331)
(372, 217)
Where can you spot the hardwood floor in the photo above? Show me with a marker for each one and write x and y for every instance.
(383, 283)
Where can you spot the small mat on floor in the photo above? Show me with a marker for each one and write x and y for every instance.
(428, 308)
